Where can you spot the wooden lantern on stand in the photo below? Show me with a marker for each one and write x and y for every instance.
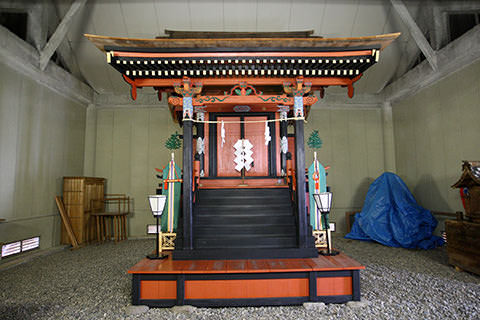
(157, 204)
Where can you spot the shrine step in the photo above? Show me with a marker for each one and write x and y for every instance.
(239, 200)
(246, 229)
(246, 241)
(240, 209)
(245, 219)
(234, 192)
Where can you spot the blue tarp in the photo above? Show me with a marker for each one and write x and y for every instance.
(392, 217)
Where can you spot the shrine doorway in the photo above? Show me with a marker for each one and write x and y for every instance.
(241, 126)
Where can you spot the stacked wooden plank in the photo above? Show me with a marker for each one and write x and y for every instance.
(78, 193)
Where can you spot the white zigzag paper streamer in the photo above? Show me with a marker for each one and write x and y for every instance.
(243, 155)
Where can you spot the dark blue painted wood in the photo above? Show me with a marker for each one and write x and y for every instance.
(187, 185)
(300, 175)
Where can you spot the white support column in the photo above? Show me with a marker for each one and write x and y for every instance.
(90, 141)
(415, 32)
(388, 138)
(60, 33)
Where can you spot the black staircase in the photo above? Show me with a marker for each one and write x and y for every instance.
(244, 224)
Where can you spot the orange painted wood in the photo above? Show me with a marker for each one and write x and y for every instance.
(255, 133)
(338, 262)
(234, 183)
(219, 266)
(258, 265)
(320, 263)
(225, 155)
(334, 286)
(242, 54)
(158, 289)
(324, 81)
(238, 289)
(237, 266)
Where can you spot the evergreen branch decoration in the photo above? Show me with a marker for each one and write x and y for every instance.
(173, 143)
(314, 140)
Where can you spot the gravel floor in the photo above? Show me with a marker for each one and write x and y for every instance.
(92, 283)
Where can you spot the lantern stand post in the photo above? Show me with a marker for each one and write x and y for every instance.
(323, 201)
(157, 204)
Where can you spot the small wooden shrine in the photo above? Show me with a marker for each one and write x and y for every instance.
(469, 185)
(463, 236)
(243, 216)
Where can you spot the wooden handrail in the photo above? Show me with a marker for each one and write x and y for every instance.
(123, 204)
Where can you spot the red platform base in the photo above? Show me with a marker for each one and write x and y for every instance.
(216, 283)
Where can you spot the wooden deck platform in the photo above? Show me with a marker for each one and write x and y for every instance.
(215, 283)
(238, 184)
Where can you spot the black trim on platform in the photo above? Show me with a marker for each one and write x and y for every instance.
(157, 303)
(334, 299)
(252, 302)
(312, 285)
(136, 288)
(356, 285)
(241, 49)
(334, 273)
(180, 289)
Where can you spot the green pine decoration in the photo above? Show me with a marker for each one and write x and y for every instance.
(314, 141)
(173, 143)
